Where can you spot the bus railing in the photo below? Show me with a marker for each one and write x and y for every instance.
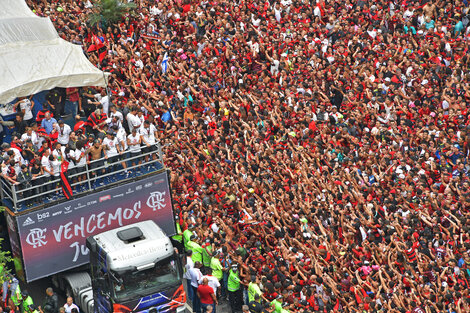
(44, 190)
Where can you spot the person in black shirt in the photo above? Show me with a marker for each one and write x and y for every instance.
(61, 105)
(255, 305)
(24, 178)
(29, 150)
(36, 177)
(53, 99)
(20, 124)
(87, 95)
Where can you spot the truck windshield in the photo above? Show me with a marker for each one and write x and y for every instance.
(137, 284)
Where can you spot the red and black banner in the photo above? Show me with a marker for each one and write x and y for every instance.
(64, 180)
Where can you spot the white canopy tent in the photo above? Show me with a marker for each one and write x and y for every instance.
(34, 58)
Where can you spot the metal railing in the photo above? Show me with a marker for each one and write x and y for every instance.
(18, 197)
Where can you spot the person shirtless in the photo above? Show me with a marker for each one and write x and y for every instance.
(95, 160)
(430, 10)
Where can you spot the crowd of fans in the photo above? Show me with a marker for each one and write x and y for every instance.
(320, 145)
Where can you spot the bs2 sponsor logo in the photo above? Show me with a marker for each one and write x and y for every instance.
(42, 216)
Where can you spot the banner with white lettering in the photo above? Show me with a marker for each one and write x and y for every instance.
(53, 239)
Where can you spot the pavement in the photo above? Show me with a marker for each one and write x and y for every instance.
(223, 306)
(37, 290)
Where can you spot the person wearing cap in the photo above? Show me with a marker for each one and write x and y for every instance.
(216, 267)
(196, 248)
(235, 296)
(207, 248)
(284, 308)
(255, 304)
(12, 287)
(26, 301)
(196, 275)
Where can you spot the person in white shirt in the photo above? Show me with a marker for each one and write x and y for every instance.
(132, 119)
(58, 152)
(79, 156)
(103, 99)
(55, 169)
(133, 141)
(121, 137)
(111, 151)
(69, 156)
(70, 305)
(148, 134)
(196, 275)
(15, 152)
(187, 274)
(116, 113)
(213, 282)
(46, 165)
(25, 106)
(30, 134)
(64, 133)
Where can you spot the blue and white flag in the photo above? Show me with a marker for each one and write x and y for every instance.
(165, 63)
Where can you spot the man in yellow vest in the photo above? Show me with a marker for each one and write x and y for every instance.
(14, 287)
(217, 269)
(206, 253)
(187, 238)
(284, 308)
(178, 238)
(277, 304)
(235, 295)
(253, 288)
(32, 309)
(196, 248)
(27, 301)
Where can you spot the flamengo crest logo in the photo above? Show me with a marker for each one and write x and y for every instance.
(37, 237)
(156, 200)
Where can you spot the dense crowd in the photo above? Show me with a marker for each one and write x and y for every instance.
(318, 148)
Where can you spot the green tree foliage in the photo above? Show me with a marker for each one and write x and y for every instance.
(5, 258)
(109, 12)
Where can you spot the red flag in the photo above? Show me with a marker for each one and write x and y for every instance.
(66, 188)
(102, 56)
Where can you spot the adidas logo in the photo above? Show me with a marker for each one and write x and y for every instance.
(28, 221)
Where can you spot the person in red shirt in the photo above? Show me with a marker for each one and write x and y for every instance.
(79, 124)
(207, 296)
(73, 100)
